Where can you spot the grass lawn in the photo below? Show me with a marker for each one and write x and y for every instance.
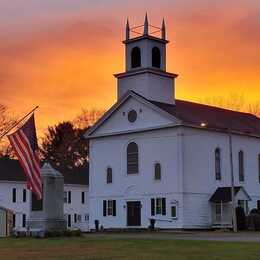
(90, 247)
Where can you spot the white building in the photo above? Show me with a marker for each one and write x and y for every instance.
(153, 156)
(15, 196)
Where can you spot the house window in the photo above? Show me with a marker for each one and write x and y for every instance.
(14, 195)
(24, 220)
(157, 171)
(65, 196)
(83, 197)
(156, 57)
(75, 218)
(109, 208)
(217, 164)
(241, 166)
(69, 197)
(259, 168)
(14, 220)
(132, 158)
(24, 195)
(158, 206)
(69, 220)
(135, 57)
(79, 218)
(109, 175)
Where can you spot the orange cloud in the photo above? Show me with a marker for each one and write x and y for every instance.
(68, 65)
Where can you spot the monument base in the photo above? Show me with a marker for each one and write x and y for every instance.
(46, 225)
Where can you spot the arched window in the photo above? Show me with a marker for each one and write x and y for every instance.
(217, 164)
(109, 175)
(132, 158)
(241, 166)
(157, 171)
(156, 57)
(135, 57)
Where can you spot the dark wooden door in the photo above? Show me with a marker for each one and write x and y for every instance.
(134, 213)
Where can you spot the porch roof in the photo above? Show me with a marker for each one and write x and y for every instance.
(223, 194)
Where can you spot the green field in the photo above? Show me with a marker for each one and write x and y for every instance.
(91, 247)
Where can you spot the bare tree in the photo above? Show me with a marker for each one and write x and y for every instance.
(234, 102)
(87, 118)
(6, 120)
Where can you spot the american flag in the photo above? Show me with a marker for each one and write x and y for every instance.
(24, 143)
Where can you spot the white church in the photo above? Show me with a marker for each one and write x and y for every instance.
(153, 156)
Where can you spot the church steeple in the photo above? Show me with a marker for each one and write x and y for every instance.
(145, 63)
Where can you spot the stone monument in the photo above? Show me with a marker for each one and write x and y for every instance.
(47, 215)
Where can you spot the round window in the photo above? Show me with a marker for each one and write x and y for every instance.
(132, 115)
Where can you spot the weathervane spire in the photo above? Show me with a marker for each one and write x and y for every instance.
(146, 25)
(163, 30)
(127, 30)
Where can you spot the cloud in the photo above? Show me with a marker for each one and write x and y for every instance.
(62, 54)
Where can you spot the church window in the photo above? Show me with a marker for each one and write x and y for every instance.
(136, 57)
(158, 206)
(109, 175)
(132, 158)
(156, 57)
(241, 166)
(157, 171)
(217, 164)
(109, 208)
(132, 115)
(174, 211)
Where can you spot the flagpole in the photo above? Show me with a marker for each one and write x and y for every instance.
(17, 123)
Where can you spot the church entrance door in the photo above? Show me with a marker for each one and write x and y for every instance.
(133, 213)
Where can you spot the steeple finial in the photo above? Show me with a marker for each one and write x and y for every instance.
(127, 30)
(146, 25)
(163, 30)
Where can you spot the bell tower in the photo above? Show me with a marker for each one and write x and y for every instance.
(145, 64)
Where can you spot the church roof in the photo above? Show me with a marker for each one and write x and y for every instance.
(10, 170)
(215, 118)
(195, 115)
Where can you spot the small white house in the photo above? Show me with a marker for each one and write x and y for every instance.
(15, 196)
(153, 156)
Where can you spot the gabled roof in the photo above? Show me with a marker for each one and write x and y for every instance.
(10, 170)
(120, 102)
(223, 194)
(193, 114)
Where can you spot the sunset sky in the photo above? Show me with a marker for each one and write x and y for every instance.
(62, 54)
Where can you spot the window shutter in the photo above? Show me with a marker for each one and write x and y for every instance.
(152, 206)
(114, 207)
(104, 208)
(163, 206)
